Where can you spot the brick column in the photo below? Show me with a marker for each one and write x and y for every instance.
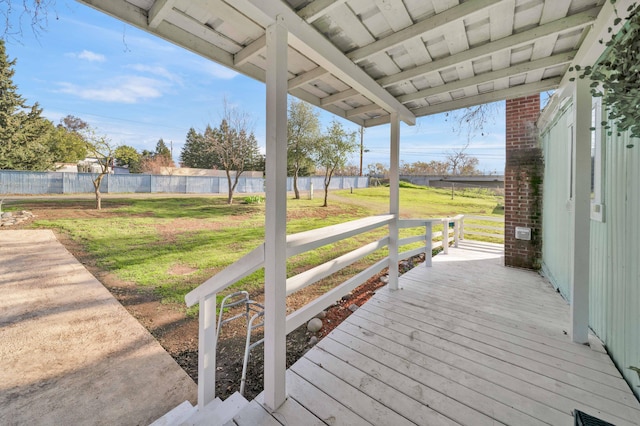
(523, 183)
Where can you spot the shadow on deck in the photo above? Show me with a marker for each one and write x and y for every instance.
(467, 341)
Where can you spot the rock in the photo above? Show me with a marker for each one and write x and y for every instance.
(385, 279)
(322, 315)
(314, 325)
(313, 341)
(347, 296)
(353, 307)
(6, 215)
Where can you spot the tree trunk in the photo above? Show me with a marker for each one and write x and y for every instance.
(295, 184)
(327, 182)
(96, 186)
(232, 187)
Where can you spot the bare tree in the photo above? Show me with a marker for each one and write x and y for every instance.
(473, 120)
(15, 14)
(233, 144)
(100, 148)
(460, 162)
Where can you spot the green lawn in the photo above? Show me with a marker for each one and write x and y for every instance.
(174, 244)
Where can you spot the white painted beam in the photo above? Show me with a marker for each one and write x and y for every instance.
(316, 47)
(317, 8)
(429, 25)
(159, 11)
(338, 97)
(307, 77)
(591, 49)
(580, 232)
(363, 110)
(524, 67)
(252, 50)
(498, 95)
(526, 37)
(394, 199)
(275, 271)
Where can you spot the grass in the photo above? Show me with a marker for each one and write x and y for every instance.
(153, 241)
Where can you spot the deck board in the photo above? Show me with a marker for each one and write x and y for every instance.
(466, 341)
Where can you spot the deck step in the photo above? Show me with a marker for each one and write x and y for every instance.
(217, 412)
(178, 415)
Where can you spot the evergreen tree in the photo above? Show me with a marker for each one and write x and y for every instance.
(23, 132)
(193, 152)
(163, 151)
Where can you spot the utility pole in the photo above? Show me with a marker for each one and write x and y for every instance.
(361, 147)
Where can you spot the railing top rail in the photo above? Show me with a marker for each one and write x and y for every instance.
(246, 265)
(296, 244)
(487, 218)
(413, 223)
(314, 238)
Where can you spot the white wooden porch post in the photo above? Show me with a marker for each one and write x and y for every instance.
(581, 212)
(275, 221)
(394, 199)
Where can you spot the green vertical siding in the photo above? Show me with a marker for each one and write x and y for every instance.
(615, 257)
(556, 217)
(615, 243)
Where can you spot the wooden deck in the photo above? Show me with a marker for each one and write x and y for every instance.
(467, 341)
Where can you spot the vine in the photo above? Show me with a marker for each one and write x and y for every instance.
(616, 78)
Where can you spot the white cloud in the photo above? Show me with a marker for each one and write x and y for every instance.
(88, 55)
(218, 71)
(156, 70)
(124, 89)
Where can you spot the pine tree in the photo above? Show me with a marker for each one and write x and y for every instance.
(193, 152)
(163, 151)
(23, 132)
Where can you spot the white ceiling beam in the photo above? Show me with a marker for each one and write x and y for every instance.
(338, 97)
(372, 122)
(314, 100)
(485, 98)
(198, 29)
(362, 110)
(569, 23)
(431, 24)
(250, 51)
(317, 48)
(317, 8)
(136, 16)
(307, 77)
(522, 68)
(591, 49)
(159, 10)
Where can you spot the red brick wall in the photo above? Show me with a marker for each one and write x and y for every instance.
(523, 182)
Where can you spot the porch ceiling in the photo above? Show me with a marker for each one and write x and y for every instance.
(362, 59)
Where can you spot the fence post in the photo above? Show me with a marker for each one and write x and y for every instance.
(462, 227)
(207, 351)
(456, 229)
(445, 235)
(428, 252)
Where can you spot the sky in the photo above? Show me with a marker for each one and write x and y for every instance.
(136, 88)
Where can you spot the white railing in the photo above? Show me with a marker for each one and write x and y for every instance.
(476, 227)
(299, 243)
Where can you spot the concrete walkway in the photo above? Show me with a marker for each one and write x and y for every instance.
(70, 354)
